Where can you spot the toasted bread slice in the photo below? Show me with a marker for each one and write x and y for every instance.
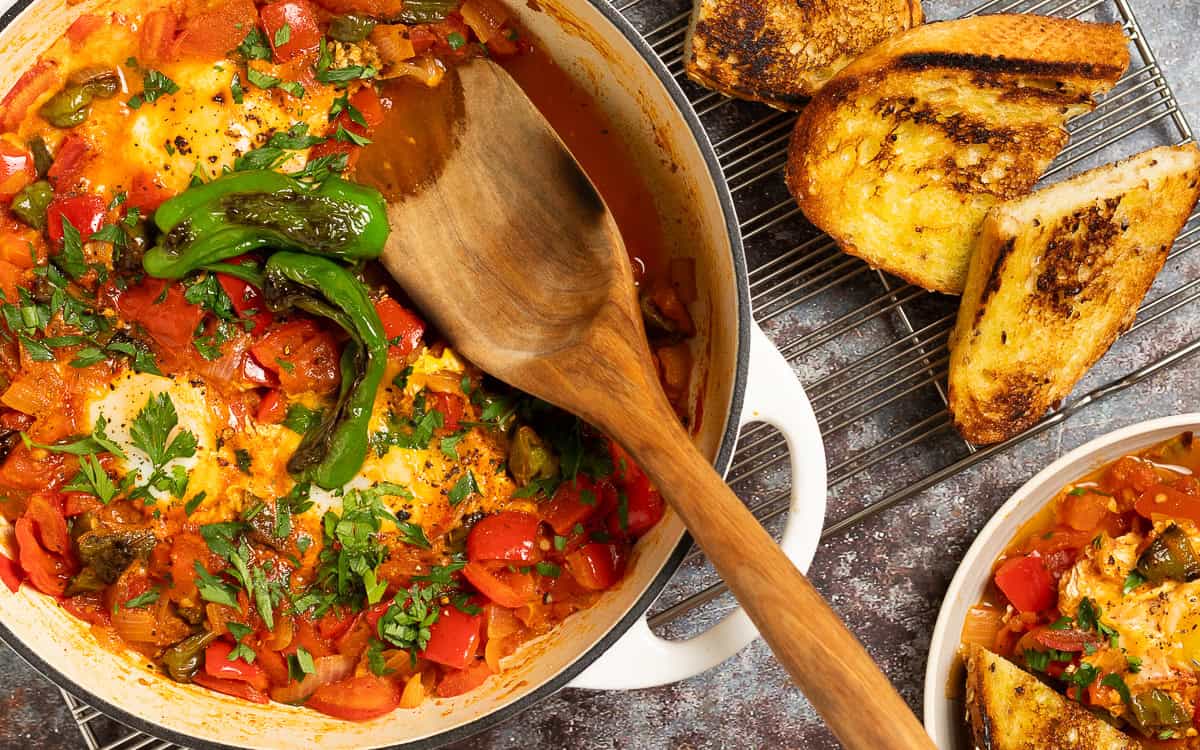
(1055, 277)
(780, 52)
(901, 154)
(1010, 709)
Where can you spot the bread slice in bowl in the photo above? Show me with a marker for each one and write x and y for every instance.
(1054, 279)
(780, 52)
(902, 153)
(1010, 709)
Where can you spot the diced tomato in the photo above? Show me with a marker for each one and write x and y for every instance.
(303, 35)
(644, 507)
(21, 471)
(366, 101)
(1167, 502)
(253, 372)
(146, 193)
(16, 169)
(88, 607)
(508, 535)
(1083, 511)
(221, 27)
(271, 408)
(167, 316)
(401, 326)
(308, 637)
(247, 302)
(374, 8)
(596, 566)
(1132, 472)
(157, 42)
(78, 503)
(459, 681)
(236, 688)
(1069, 639)
(10, 573)
(48, 573)
(273, 663)
(376, 612)
(217, 664)
(625, 469)
(334, 623)
(1027, 583)
(47, 516)
(1058, 539)
(453, 638)
(450, 406)
(357, 698)
(11, 278)
(302, 355)
(186, 550)
(72, 156)
(81, 28)
(85, 212)
(574, 502)
(500, 591)
(41, 77)
(357, 637)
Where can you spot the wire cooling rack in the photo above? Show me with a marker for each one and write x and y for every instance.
(871, 349)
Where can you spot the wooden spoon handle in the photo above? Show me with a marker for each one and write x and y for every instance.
(822, 656)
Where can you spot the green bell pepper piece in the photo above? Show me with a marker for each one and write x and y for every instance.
(246, 211)
(332, 453)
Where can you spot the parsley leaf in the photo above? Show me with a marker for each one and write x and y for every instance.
(144, 600)
(375, 659)
(213, 589)
(300, 419)
(154, 85)
(94, 479)
(283, 34)
(254, 46)
(463, 488)
(71, 258)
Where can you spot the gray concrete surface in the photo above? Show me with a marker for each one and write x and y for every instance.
(885, 576)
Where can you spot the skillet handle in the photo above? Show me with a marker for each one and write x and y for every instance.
(641, 659)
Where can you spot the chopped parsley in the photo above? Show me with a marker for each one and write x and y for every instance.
(154, 85)
(464, 488)
(143, 600)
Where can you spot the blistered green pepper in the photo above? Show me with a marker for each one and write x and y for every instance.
(42, 158)
(183, 660)
(1154, 711)
(30, 204)
(245, 211)
(350, 28)
(529, 458)
(1169, 557)
(70, 107)
(332, 453)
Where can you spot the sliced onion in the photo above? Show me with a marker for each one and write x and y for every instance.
(425, 69)
(135, 625)
(393, 43)
(484, 17)
(226, 369)
(414, 692)
(981, 626)
(327, 670)
(281, 636)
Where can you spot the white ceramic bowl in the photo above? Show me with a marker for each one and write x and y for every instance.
(944, 717)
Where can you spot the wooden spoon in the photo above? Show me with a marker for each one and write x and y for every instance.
(501, 239)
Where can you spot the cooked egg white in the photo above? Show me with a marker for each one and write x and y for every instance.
(428, 474)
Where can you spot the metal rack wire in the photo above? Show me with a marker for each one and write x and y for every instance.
(871, 349)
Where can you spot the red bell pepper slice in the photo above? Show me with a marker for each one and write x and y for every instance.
(457, 682)
(643, 508)
(1161, 500)
(402, 327)
(168, 317)
(10, 574)
(48, 573)
(217, 664)
(271, 408)
(302, 354)
(16, 169)
(236, 688)
(1070, 639)
(449, 405)
(508, 535)
(357, 698)
(45, 511)
(302, 37)
(453, 638)
(85, 212)
(575, 502)
(1027, 583)
(247, 302)
(596, 566)
(498, 590)
(35, 81)
(72, 156)
(334, 623)
(81, 28)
